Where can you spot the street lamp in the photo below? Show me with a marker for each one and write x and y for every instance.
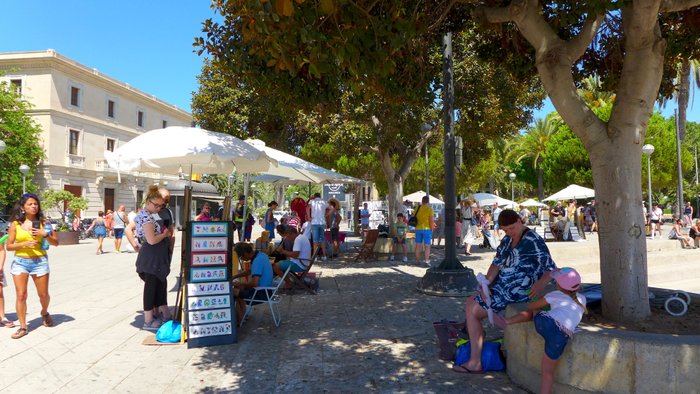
(24, 169)
(648, 149)
(426, 128)
(512, 187)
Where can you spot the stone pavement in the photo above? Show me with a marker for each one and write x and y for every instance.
(368, 329)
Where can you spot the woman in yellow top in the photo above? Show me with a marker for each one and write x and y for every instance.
(25, 236)
(424, 230)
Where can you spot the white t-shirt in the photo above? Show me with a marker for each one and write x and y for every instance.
(303, 246)
(119, 219)
(565, 311)
(318, 211)
(656, 214)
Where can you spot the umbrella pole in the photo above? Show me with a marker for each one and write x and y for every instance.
(246, 182)
(179, 305)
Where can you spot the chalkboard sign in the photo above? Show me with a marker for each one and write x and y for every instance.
(209, 305)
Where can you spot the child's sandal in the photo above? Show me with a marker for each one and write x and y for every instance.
(19, 333)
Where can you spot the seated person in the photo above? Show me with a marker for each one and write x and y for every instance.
(300, 256)
(285, 244)
(263, 242)
(694, 233)
(261, 275)
(293, 220)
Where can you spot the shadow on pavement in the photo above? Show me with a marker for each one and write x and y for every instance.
(367, 329)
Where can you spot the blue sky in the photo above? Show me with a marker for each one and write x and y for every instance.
(147, 44)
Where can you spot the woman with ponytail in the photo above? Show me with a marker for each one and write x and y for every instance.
(556, 325)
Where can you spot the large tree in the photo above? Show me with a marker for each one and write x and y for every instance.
(22, 139)
(633, 42)
(382, 109)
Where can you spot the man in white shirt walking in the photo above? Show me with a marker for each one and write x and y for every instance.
(316, 210)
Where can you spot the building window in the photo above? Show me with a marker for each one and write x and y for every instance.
(74, 96)
(139, 198)
(16, 85)
(139, 118)
(73, 143)
(110, 144)
(165, 123)
(110, 108)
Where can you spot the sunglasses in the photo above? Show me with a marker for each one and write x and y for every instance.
(157, 205)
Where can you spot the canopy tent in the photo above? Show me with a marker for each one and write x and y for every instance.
(418, 197)
(533, 203)
(296, 169)
(571, 192)
(485, 199)
(176, 149)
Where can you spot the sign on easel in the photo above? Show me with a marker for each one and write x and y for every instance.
(209, 304)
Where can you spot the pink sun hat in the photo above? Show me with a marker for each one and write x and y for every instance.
(567, 278)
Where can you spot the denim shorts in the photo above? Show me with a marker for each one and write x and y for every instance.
(424, 237)
(555, 339)
(317, 232)
(38, 266)
(118, 233)
(284, 264)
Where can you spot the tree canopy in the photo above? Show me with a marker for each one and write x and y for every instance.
(22, 139)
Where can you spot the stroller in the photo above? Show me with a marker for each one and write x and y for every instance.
(489, 239)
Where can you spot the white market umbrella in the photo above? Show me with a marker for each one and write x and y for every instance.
(572, 192)
(296, 169)
(176, 149)
(485, 199)
(533, 203)
(418, 197)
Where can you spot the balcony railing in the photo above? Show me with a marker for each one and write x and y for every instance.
(76, 161)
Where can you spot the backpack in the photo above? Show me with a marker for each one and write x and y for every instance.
(491, 357)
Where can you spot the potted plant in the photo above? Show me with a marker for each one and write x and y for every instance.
(57, 199)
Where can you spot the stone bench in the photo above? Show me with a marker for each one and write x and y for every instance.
(606, 360)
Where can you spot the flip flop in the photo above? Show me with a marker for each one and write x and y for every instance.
(7, 323)
(461, 369)
(19, 333)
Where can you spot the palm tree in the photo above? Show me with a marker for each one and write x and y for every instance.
(533, 144)
(593, 95)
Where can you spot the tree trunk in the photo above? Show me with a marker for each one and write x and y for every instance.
(540, 184)
(622, 239)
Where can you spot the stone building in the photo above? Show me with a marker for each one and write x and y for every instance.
(82, 113)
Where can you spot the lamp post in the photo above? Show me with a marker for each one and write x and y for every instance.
(512, 186)
(24, 169)
(426, 128)
(648, 149)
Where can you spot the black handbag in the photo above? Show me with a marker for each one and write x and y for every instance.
(413, 220)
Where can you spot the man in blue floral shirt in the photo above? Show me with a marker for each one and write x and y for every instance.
(520, 270)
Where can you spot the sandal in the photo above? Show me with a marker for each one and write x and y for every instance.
(19, 333)
(7, 323)
(46, 320)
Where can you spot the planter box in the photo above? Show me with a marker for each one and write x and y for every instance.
(67, 237)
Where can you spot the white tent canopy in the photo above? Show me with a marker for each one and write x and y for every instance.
(485, 199)
(187, 149)
(572, 192)
(418, 197)
(296, 169)
(533, 203)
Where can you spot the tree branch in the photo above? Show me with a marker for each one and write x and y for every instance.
(527, 16)
(577, 46)
(442, 17)
(677, 5)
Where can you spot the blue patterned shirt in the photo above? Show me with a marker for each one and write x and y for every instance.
(519, 269)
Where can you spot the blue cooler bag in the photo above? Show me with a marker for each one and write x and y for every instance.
(169, 332)
(491, 359)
